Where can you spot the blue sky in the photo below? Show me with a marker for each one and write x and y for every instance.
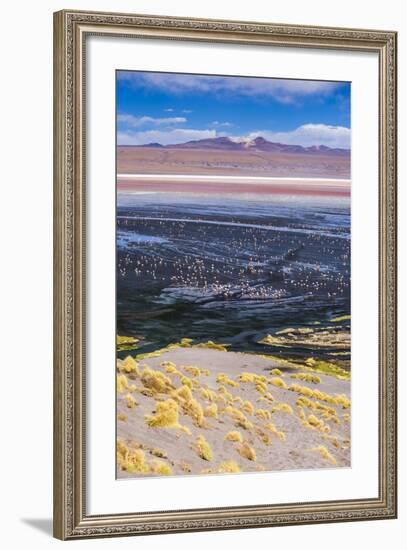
(175, 108)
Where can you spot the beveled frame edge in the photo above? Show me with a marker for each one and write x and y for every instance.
(70, 519)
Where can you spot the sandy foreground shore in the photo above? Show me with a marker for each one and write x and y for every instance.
(197, 410)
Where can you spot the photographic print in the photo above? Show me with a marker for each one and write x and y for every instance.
(233, 274)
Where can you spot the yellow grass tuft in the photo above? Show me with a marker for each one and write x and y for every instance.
(303, 390)
(211, 345)
(125, 340)
(346, 417)
(156, 381)
(306, 377)
(227, 396)
(158, 452)
(270, 426)
(206, 372)
(238, 417)
(130, 401)
(278, 383)
(193, 371)
(261, 387)
(129, 364)
(228, 467)
(282, 407)
(263, 414)
(234, 436)
(342, 400)
(183, 393)
(122, 417)
(305, 402)
(122, 383)
(161, 468)
(247, 407)
(252, 377)
(186, 381)
(203, 448)
(323, 451)
(208, 395)
(211, 410)
(247, 452)
(166, 415)
(194, 409)
(222, 378)
(276, 372)
(129, 460)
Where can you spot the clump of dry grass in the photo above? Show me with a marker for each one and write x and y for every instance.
(181, 394)
(278, 383)
(211, 410)
(238, 417)
(186, 381)
(158, 453)
(156, 381)
(270, 426)
(303, 390)
(263, 414)
(129, 365)
(131, 460)
(130, 401)
(122, 417)
(266, 397)
(211, 345)
(161, 468)
(170, 368)
(122, 383)
(194, 409)
(203, 448)
(346, 417)
(247, 407)
(323, 451)
(282, 407)
(193, 371)
(166, 415)
(305, 402)
(226, 467)
(342, 400)
(261, 387)
(252, 377)
(224, 395)
(306, 377)
(208, 395)
(263, 435)
(246, 451)
(276, 372)
(234, 436)
(222, 378)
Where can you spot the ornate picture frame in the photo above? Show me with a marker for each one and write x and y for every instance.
(71, 518)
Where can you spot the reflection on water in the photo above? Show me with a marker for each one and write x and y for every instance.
(228, 268)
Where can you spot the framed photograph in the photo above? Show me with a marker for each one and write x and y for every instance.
(225, 274)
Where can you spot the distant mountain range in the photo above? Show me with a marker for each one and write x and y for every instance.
(257, 144)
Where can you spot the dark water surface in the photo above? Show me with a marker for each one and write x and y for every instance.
(229, 269)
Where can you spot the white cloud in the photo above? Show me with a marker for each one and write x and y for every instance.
(221, 124)
(135, 122)
(285, 91)
(308, 135)
(169, 110)
(176, 135)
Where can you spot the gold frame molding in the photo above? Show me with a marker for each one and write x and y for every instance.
(70, 31)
